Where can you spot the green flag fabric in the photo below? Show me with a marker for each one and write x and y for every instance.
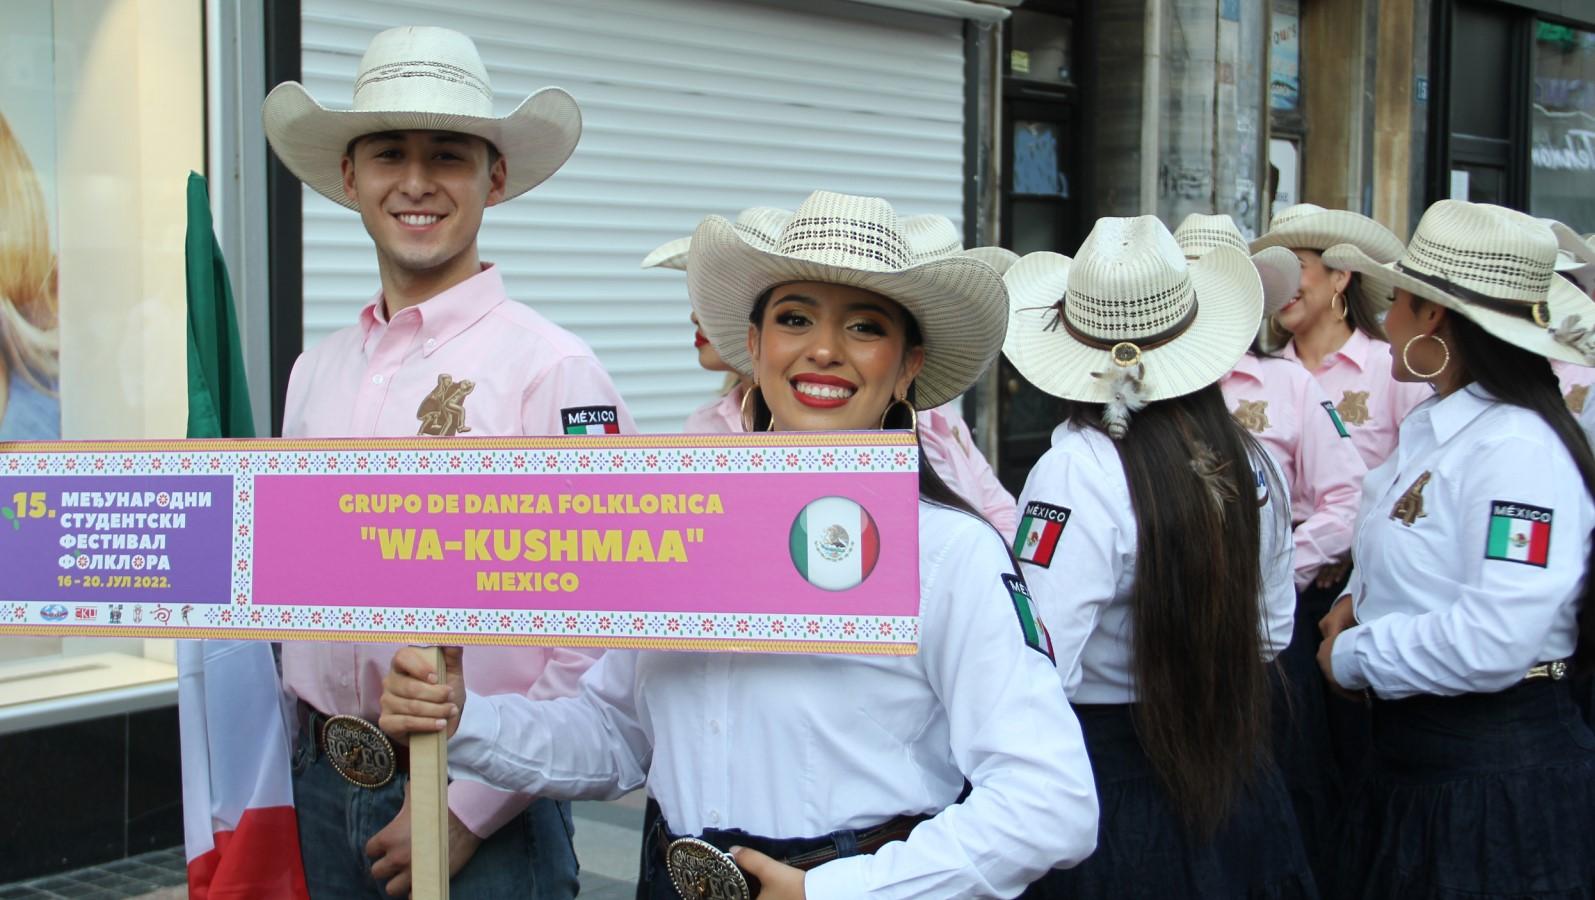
(218, 392)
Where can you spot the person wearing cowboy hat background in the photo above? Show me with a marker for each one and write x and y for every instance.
(1282, 404)
(850, 767)
(1332, 326)
(1156, 539)
(440, 350)
(943, 432)
(1575, 261)
(1471, 601)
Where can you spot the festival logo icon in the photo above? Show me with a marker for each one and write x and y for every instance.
(834, 543)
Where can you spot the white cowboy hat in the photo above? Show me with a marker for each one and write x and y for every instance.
(420, 78)
(1278, 267)
(760, 224)
(931, 236)
(1307, 226)
(1130, 304)
(1495, 266)
(959, 304)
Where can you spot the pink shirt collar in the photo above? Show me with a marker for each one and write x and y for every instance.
(1354, 351)
(443, 316)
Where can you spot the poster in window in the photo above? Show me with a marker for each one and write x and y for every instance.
(1562, 126)
(30, 406)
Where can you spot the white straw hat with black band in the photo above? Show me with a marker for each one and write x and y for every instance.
(959, 304)
(1130, 313)
(420, 78)
(1278, 267)
(761, 225)
(1495, 266)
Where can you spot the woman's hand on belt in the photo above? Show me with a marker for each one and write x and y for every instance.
(417, 699)
(779, 881)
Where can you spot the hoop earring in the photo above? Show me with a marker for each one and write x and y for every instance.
(742, 408)
(1406, 348)
(913, 415)
(748, 417)
(1345, 307)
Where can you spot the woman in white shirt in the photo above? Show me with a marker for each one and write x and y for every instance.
(1156, 539)
(825, 763)
(1470, 606)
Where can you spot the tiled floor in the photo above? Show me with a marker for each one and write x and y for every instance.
(153, 876)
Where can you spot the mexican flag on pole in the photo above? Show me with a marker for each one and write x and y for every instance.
(238, 801)
(834, 543)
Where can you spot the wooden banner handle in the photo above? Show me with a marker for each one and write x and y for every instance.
(429, 810)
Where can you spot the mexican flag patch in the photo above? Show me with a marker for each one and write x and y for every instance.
(834, 543)
(1039, 530)
(1035, 631)
(590, 420)
(1334, 416)
(1519, 533)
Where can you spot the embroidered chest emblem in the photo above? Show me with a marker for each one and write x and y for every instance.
(1409, 506)
(1576, 395)
(1252, 415)
(1353, 408)
(442, 413)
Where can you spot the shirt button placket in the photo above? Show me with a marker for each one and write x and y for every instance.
(717, 740)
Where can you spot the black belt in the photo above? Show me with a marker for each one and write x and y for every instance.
(356, 749)
(686, 869)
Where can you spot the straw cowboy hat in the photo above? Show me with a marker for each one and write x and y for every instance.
(959, 303)
(1130, 314)
(1278, 267)
(1306, 226)
(420, 79)
(761, 225)
(928, 235)
(1493, 265)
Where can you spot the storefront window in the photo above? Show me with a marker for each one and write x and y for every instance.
(101, 119)
(1562, 118)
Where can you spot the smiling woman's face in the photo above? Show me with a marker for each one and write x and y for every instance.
(829, 357)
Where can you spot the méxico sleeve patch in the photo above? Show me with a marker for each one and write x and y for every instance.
(1035, 631)
(1519, 533)
(590, 420)
(1039, 531)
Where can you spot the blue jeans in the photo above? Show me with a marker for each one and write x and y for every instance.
(530, 857)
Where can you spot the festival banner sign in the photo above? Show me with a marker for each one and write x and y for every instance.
(797, 542)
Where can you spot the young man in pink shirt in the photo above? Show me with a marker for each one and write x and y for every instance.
(440, 350)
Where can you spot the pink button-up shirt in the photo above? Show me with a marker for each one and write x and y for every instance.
(948, 449)
(1285, 409)
(1575, 381)
(1369, 399)
(385, 378)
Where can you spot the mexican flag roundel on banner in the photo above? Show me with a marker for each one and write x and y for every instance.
(834, 543)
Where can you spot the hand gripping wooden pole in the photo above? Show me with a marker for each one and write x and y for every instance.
(429, 808)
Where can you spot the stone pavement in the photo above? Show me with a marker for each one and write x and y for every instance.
(608, 838)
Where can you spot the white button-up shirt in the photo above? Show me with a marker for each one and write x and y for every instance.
(1471, 547)
(1084, 590)
(796, 745)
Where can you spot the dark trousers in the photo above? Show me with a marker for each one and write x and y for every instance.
(531, 856)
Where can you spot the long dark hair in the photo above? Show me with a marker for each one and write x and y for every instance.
(1516, 376)
(931, 485)
(1202, 690)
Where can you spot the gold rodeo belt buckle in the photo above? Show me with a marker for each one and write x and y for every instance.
(359, 751)
(702, 871)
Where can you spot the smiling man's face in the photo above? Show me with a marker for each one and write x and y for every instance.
(421, 195)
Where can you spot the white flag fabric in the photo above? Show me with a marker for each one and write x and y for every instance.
(238, 803)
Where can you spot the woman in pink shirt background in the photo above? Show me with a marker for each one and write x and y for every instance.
(1332, 326)
(948, 445)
